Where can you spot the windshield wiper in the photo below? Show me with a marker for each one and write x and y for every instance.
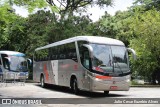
(115, 62)
(122, 73)
(119, 68)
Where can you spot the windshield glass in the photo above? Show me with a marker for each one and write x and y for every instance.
(109, 59)
(18, 63)
(120, 59)
(102, 58)
(14, 63)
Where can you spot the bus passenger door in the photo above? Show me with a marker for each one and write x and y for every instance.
(85, 60)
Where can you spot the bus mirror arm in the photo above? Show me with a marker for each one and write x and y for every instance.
(90, 49)
(29, 61)
(133, 53)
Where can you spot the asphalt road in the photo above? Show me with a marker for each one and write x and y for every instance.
(60, 96)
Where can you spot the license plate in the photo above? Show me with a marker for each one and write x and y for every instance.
(113, 87)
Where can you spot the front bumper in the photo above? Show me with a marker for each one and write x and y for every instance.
(114, 84)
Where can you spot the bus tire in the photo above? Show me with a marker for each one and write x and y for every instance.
(106, 93)
(75, 86)
(42, 81)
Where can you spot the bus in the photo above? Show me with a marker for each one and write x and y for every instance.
(13, 66)
(90, 63)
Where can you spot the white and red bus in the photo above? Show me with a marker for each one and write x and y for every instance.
(84, 63)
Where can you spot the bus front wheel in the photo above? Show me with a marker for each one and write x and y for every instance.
(75, 86)
(106, 93)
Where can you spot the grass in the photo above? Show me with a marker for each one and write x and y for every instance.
(135, 83)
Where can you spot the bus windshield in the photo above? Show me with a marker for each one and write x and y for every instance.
(15, 63)
(18, 63)
(120, 59)
(109, 59)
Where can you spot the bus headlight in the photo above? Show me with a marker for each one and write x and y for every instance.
(128, 78)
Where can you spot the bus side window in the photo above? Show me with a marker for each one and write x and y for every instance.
(62, 56)
(71, 51)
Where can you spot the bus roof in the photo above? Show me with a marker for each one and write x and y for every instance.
(90, 39)
(12, 53)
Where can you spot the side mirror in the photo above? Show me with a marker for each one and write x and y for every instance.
(29, 62)
(133, 53)
(90, 49)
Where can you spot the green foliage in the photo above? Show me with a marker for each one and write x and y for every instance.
(29, 4)
(147, 42)
(149, 4)
(16, 32)
(103, 3)
(6, 16)
(133, 82)
(42, 28)
(54, 9)
(117, 26)
(70, 6)
(107, 26)
(67, 27)
(139, 29)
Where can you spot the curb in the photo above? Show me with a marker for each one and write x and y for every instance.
(147, 86)
(30, 81)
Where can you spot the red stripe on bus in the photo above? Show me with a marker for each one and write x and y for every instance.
(46, 72)
(75, 67)
(65, 66)
(103, 77)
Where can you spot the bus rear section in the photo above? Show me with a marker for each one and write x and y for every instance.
(56, 64)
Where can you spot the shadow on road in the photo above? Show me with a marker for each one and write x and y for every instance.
(81, 93)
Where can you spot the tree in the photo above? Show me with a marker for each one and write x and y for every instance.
(44, 27)
(16, 33)
(72, 5)
(6, 16)
(64, 6)
(139, 29)
(146, 27)
(36, 29)
(28, 4)
(117, 26)
(106, 26)
(72, 26)
(149, 4)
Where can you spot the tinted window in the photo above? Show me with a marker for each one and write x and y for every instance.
(66, 51)
(5, 61)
